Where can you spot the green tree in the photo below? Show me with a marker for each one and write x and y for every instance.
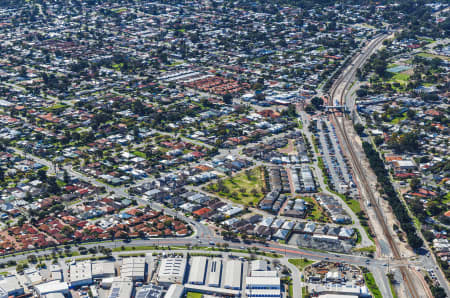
(414, 184)
(228, 99)
(42, 175)
(359, 128)
(317, 102)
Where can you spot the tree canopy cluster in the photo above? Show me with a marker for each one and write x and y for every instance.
(399, 209)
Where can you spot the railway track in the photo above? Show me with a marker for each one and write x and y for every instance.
(344, 81)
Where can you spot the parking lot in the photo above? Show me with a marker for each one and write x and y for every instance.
(334, 161)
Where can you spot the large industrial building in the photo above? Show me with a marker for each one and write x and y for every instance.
(103, 269)
(81, 274)
(134, 268)
(198, 271)
(233, 275)
(175, 291)
(52, 287)
(215, 273)
(263, 283)
(258, 265)
(121, 287)
(10, 286)
(150, 291)
(172, 270)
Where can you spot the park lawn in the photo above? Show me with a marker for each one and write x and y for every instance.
(176, 63)
(117, 66)
(401, 77)
(240, 187)
(55, 107)
(396, 120)
(316, 213)
(300, 263)
(447, 198)
(429, 40)
(372, 285)
(120, 10)
(193, 295)
(139, 154)
(428, 55)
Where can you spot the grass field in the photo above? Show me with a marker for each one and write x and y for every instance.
(396, 120)
(300, 263)
(316, 214)
(401, 77)
(139, 154)
(242, 188)
(372, 285)
(428, 55)
(193, 295)
(352, 203)
(447, 198)
(366, 249)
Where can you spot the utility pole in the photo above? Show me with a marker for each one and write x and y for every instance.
(389, 270)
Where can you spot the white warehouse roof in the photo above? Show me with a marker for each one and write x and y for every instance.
(133, 268)
(198, 270)
(233, 275)
(215, 273)
(172, 270)
(258, 265)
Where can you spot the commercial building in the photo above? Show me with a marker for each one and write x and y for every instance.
(172, 270)
(264, 273)
(198, 270)
(54, 295)
(220, 292)
(175, 291)
(263, 282)
(81, 274)
(11, 286)
(263, 286)
(121, 288)
(55, 272)
(233, 275)
(33, 276)
(133, 268)
(53, 286)
(150, 291)
(258, 265)
(103, 269)
(263, 293)
(215, 273)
